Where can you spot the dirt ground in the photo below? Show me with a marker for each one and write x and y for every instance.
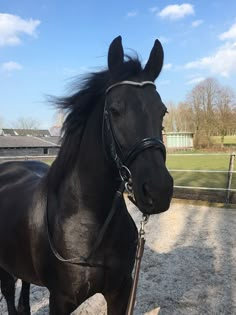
(188, 268)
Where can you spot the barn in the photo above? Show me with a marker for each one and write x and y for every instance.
(19, 142)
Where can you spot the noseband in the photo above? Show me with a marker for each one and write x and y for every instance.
(123, 162)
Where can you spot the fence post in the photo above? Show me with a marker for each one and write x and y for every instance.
(230, 175)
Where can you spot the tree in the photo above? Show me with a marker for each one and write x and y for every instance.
(194, 100)
(26, 123)
(183, 117)
(225, 112)
(169, 119)
(179, 118)
(203, 99)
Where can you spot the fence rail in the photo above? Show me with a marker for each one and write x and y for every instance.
(205, 188)
(230, 173)
(199, 171)
(27, 157)
(227, 189)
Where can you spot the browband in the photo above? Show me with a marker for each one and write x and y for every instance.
(140, 84)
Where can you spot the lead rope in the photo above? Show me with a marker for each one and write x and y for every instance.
(138, 258)
(126, 178)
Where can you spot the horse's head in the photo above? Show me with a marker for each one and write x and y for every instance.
(133, 115)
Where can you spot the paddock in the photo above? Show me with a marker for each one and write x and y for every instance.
(189, 265)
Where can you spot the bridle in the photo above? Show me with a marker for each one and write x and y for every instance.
(122, 163)
(111, 144)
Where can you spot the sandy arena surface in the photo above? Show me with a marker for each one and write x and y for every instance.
(189, 265)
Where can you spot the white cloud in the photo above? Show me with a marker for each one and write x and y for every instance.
(12, 27)
(132, 13)
(196, 80)
(196, 23)
(230, 34)
(177, 11)
(223, 62)
(167, 66)
(11, 66)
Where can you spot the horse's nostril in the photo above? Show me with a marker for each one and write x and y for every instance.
(147, 195)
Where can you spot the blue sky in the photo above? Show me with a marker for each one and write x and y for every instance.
(45, 43)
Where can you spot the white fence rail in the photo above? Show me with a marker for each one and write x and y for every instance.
(199, 171)
(227, 189)
(27, 157)
(230, 173)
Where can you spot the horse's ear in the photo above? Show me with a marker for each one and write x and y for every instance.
(155, 62)
(115, 56)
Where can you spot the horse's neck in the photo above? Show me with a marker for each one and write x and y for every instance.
(79, 204)
(90, 184)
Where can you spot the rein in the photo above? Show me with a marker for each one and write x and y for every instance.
(122, 164)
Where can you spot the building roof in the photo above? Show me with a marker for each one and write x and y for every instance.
(26, 132)
(28, 142)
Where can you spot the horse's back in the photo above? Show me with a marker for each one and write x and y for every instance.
(21, 170)
(19, 182)
(20, 196)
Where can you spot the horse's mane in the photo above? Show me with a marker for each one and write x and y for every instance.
(80, 104)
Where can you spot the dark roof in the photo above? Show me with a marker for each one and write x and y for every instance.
(26, 132)
(28, 142)
(53, 139)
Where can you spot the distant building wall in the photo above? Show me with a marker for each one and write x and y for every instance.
(178, 140)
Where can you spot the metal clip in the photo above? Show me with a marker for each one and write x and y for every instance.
(143, 223)
(128, 187)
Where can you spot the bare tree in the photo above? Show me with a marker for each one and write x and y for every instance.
(194, 98)
(203, 100)
(26, 123)
(179, 118)
(225, 112)
(184, 117)
(169, 119)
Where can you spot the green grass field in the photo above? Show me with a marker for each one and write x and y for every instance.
(200, 162)
(214, 162)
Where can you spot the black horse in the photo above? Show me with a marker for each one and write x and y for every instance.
(67, 227)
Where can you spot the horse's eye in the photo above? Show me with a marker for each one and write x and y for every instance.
(114, 112)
